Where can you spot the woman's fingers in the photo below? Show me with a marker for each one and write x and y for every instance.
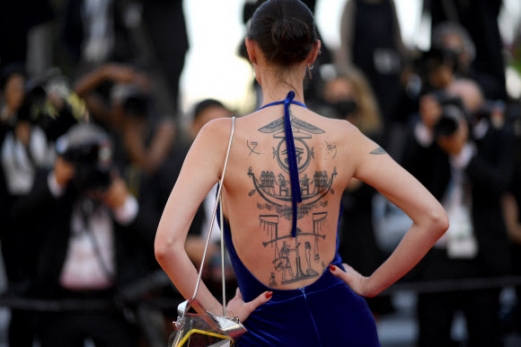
(258, 301)
(238, 294)
(351, 277)
(343, 275)
(243, 309)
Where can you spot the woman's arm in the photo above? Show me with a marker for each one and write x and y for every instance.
(378, 169)
(201, 169)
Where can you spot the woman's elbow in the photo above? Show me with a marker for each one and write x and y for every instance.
(439, 222)
(160, 252)
(163, 250)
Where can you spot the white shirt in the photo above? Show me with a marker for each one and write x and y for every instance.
(90, 260)
(459, 240)
(19, 168)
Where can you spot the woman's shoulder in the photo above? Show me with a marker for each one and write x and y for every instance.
(333, 126)
(216, 128)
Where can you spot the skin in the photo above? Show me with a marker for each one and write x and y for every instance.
(511, 213)
(14, 94)
(195, 245)
(340, 153)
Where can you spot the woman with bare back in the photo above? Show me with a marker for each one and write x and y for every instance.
(287, 296)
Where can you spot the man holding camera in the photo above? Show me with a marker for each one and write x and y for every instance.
(466, 162)
(94, 244)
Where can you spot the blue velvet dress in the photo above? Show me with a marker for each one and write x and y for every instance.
(326, 313)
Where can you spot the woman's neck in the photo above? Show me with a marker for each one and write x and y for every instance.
(275, 88)
(280, 92)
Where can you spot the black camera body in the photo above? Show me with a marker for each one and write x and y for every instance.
(135, 101)
(54, 118)
(452, 113)
(137, 105)
(89, 149)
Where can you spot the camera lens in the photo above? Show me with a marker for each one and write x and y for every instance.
(449, 121)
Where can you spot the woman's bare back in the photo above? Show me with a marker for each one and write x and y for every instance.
(258, 194)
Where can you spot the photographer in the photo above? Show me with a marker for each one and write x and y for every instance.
(24, 148)
(466, 162)
(455, 38)
(95, 240)
(120, 98)
(433, 70)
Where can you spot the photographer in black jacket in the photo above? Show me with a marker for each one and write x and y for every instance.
(95, 232)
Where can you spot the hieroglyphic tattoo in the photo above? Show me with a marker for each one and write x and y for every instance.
(378, 150)
(331, 148)
(274, 189)
(252, 146)
(301, 131)
(289, 265)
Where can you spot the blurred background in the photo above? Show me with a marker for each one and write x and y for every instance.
(220, 43)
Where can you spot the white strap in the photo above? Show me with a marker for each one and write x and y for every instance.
(217, 199)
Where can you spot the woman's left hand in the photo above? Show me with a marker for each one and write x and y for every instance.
(353, 279)
(238, 308)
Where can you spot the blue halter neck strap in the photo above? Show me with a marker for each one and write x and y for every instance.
(296, 195)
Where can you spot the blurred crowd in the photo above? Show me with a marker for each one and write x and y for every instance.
(91, 143)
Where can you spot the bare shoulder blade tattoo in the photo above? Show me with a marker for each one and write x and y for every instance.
(378, 150)
(294, 258)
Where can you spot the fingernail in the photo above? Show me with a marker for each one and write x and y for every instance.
(268, 295)
(332, 267)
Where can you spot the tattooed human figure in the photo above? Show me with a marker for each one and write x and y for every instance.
(309, 270)
(283, 185)
(285, 262)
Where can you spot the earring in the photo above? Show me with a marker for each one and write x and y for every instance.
(310, 67)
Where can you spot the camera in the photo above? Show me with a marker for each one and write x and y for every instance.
(136, 105)
(49, 103)
(134, 100)
(36, 105)
(89, 149)
(452, 112)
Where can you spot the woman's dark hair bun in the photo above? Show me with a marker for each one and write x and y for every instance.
(284, 30)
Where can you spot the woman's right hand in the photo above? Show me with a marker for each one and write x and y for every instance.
(238, 308)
